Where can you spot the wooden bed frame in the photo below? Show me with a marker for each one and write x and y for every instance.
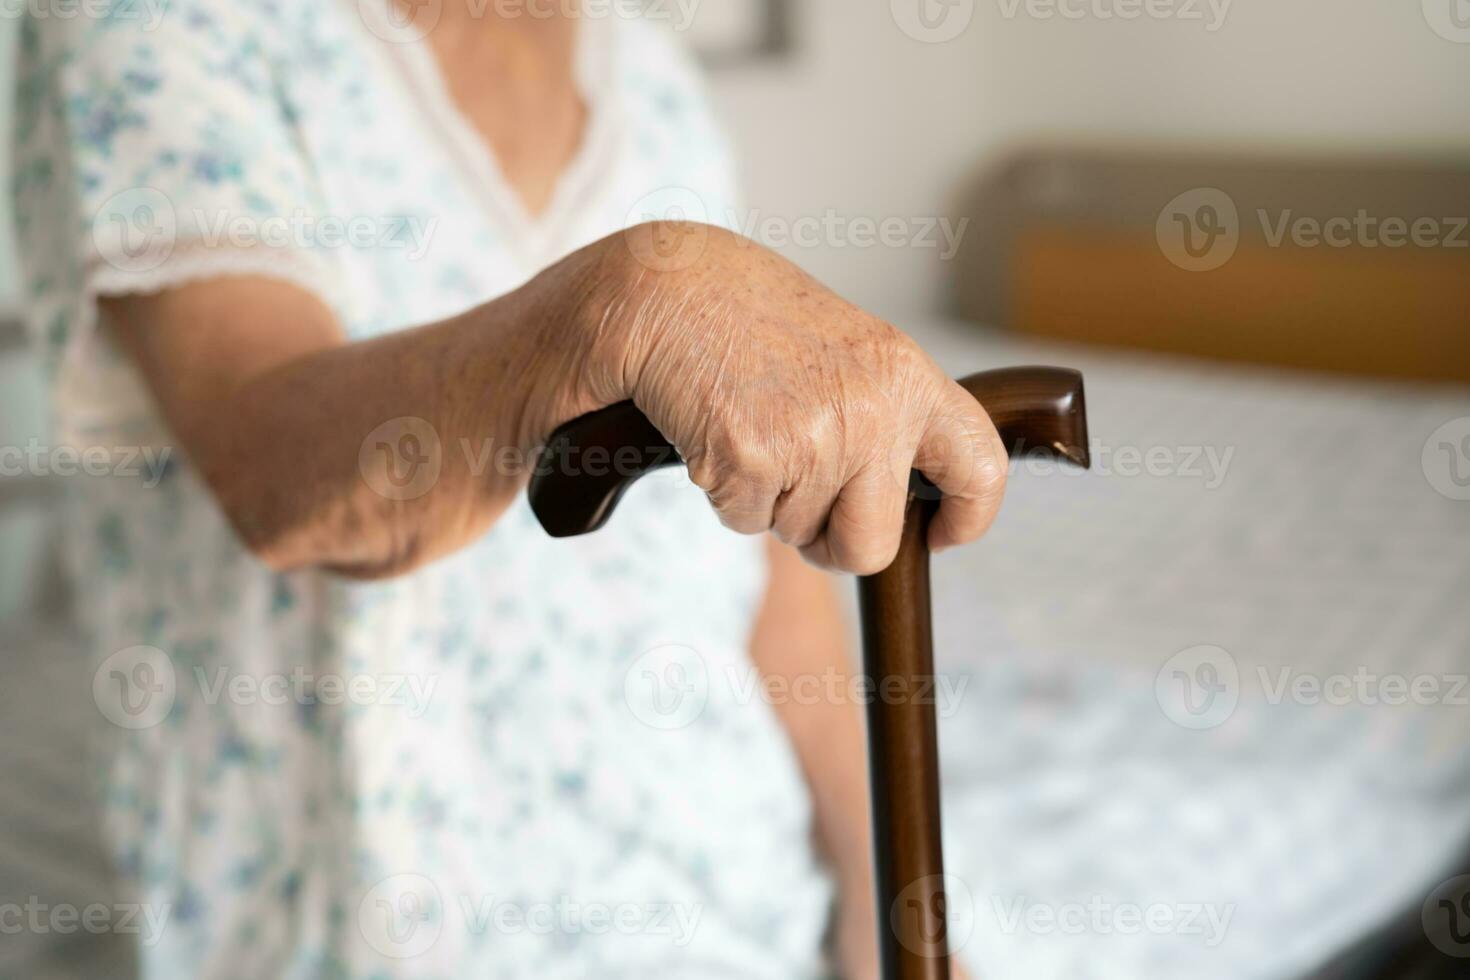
(1076, 244)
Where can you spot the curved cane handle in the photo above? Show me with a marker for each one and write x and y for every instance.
(589, 462)
(1035, 409)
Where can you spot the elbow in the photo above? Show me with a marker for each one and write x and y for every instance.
(262, 529)
(266, 514)
(284, 536)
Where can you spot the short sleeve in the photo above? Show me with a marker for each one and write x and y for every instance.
(153, 144)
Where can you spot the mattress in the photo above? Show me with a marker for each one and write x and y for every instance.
(1209, 714)
(1133, 788)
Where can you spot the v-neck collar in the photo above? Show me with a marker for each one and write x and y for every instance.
(540, 238)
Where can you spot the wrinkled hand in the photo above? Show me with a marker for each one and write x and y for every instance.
(794, 410)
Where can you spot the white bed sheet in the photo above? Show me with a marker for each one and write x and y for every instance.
(1074, 803)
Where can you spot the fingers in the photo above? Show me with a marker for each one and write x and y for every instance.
(961, 453)
(859, 530)
(745, 505)
(743, 492)
(854, 524)
(864, 525)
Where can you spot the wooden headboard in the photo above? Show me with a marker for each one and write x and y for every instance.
(1350, 267)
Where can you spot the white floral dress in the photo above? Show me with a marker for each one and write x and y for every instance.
(531, 759)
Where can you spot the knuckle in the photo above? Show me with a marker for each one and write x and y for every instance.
(738, 491)
(749, 462)
(800, 453)
(728, 465)
(742, 503)
(709, 472)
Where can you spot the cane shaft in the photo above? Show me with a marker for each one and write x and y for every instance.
(903, 759)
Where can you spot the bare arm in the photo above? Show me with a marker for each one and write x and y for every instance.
(273, 405)
(796, 411)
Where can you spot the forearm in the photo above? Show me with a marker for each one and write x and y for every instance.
(372, 458)
(799, 635)
(368, 458)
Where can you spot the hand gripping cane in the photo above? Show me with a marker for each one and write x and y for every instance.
(1035, 409)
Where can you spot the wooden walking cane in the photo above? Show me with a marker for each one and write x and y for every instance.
(1035, 409)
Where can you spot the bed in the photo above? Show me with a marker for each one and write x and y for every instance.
(1316, 544)
(1185, 678)
(1103, 818)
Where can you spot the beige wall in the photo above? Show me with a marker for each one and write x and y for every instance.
(868, 121)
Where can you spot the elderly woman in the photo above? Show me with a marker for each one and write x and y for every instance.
(352, 262)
